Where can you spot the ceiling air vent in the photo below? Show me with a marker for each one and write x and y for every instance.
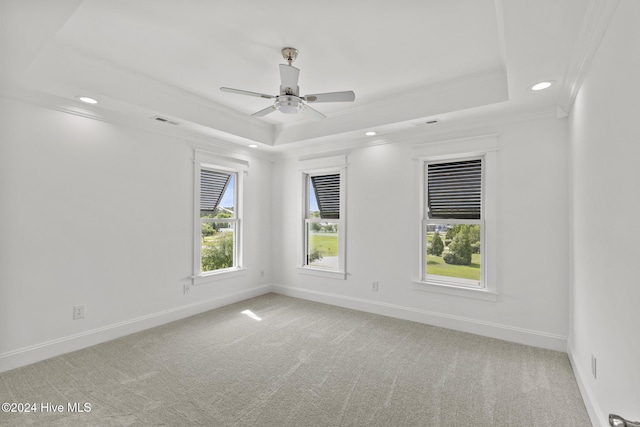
(163, 120)
(428, 122)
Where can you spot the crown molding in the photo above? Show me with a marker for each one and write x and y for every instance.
(450, 127)
(594, 27)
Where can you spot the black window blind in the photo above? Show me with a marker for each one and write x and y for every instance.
(327, 191)
(454, 189)
(212, 186)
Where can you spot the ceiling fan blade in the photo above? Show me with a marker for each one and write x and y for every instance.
(261, 113)
(314, 114)
(289, 79)
(346, 96)
(246, 92)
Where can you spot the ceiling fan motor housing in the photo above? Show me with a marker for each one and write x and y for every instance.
(295, 91)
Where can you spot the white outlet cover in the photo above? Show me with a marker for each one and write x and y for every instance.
(78, 312)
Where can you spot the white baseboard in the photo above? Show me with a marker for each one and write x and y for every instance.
(488, 329)
(598, 419)
(27, 355)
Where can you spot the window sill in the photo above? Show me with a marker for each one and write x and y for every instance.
(216, 276)
(460, 291)
(339, 275)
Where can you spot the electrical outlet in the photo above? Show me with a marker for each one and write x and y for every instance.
(594, 366)
(374, 286)
(78, 312)
(186, 288)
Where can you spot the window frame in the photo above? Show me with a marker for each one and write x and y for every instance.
(319, 167)
(447, 280)
(484, 147)
(234, 220)
(237, 167)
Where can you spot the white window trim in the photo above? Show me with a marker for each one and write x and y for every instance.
(207, 160)
(451, 150)
(323, 166)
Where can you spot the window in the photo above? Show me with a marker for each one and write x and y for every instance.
(323, 236)
(218, 220)
(218, 216)
(322, 222)
(453, 225)
(457, 217)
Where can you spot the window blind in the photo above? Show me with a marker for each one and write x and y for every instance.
(327, 191)
(212, 187)
(454, 189)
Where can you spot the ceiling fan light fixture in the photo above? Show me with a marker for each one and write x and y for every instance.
(371, 133)
(289, 104)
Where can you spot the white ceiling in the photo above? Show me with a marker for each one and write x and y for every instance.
(408, 61)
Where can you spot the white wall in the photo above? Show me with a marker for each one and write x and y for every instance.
(605, 147)
(101, 214)
(381, 238)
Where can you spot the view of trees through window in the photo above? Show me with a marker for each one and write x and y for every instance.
(453, 250)
(322, 240)
(218, 232)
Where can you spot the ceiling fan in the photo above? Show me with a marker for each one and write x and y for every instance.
(289, 101)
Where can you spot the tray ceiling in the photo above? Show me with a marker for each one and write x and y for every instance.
(407, 61)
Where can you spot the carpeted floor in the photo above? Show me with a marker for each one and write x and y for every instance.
(302, 364)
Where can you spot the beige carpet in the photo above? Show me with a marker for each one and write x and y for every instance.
(303, 364)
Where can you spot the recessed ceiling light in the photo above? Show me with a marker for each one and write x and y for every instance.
(253, 146)
(371, 133)
(542, 85)
(87, 99)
